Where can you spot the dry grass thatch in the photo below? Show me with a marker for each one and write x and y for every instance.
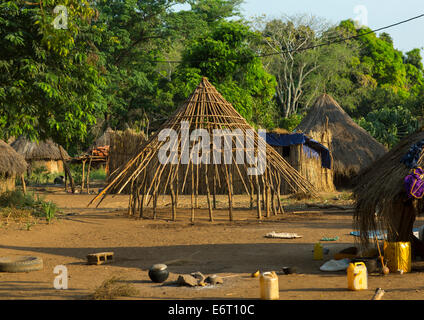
(381, 200)
(352, 147)
(11, 162)
(44, 150)
(123, 146)
(205, 109)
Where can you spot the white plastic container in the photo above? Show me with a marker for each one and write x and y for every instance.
(268, 282)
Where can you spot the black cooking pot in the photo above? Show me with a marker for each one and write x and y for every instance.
(158, 273)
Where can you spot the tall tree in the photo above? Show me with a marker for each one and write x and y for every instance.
(226, 57)
(50, 82)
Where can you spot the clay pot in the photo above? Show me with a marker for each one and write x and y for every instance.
(158, 273)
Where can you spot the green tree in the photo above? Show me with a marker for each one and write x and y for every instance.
(50, 81)
(389, 125)
(225, 56)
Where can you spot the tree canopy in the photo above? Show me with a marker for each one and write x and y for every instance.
(70, 69)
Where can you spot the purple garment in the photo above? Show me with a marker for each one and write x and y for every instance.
(414, 183)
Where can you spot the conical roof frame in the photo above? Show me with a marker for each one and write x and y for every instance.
(205, 109)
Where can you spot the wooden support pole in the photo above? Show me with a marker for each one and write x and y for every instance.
(155, 200)
(174, 209)
(251, 192)
(67, 170)
(267, 196)
(23, 183)
(192, 193)
(214, 191)
(208, 193)
(230, 193)
(177, 184)
(258, 198)
(83, 175)
(143, 192)
(88, 176)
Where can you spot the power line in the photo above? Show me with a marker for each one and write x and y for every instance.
(327, 43)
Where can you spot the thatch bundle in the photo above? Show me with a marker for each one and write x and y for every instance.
(45, 153)
(381, 199)
(12, 164)
(123, 146)
(352, 147)
(205, 110)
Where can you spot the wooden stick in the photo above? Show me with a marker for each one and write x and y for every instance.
(83, 173)
(23, 183)
(208, 194)
(258, 198)
(67, 171)
(192, 193)
(174, 210)
(379, 293)
(88, 176)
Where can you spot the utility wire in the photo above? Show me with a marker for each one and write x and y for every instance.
(327, 43)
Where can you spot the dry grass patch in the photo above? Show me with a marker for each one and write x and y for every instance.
(113, 288)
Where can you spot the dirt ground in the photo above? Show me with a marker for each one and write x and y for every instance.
(232, 250)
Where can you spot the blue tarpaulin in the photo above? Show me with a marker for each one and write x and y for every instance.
(311, 147)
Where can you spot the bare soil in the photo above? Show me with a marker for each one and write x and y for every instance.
(232, 250)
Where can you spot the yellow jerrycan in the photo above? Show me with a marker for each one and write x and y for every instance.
(357, 276)
(318, 251)
(268, 282)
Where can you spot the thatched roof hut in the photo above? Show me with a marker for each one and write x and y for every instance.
(154, 170)
(12, 164)
(312, 159)
(45, 153)
(382, 201)
(352, 147)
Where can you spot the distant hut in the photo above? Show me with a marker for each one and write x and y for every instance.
(12, 164)
(311, 158)
(45, 153)
(382, 200)
(352, 147)
(104, 139)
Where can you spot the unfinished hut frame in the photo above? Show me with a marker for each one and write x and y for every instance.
(148, 177)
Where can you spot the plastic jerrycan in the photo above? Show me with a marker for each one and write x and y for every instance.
(357, 276)
(318, 251)
(268, 282)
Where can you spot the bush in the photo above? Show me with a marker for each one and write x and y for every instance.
(28, 201)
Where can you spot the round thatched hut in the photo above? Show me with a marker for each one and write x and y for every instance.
(352, 147)
(45, 153)
(12, 164)
(383, 203)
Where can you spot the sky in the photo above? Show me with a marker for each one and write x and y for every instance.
(377, 13)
